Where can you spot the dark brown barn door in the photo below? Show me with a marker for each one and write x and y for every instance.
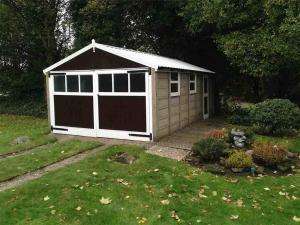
(122, 102)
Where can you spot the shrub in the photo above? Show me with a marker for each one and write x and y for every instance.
(210, 149)
(219, 134)
(269, 154)
(238, 159)
(238, 112)
(276, 117)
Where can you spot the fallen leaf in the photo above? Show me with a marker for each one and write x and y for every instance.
(156, 170)
(296, 219)
(122, 181)
(95, 173)
(165, 202)
(234, 217)
(142, 220)
(294, 197)
(127, 196)
(175, 216)
(282, 193)
(53, 211)
(78, 208)
(214, 193)
(105, 201)
(267, 189)
(239, 203)
(202, 196)
(46, 198)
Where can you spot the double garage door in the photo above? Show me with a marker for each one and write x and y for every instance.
(113, 104)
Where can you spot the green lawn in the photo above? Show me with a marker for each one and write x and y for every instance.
(72, 195)
(12, 127)
(11, 167)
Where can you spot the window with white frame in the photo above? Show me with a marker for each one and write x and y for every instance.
(122, 82)
(73, 83)
(175, 84)
(193, 83)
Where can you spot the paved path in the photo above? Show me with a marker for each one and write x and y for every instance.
(19, 180)
(179, 144)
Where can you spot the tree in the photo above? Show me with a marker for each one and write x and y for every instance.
(259, 38)
(32, 37)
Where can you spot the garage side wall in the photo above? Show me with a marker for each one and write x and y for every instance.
(175, 112)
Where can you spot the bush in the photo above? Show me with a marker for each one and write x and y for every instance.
(238, 159)
(238, 113)
(210, 149)
(28, 107)
(269, 154)
(219, 134)
(276, 117)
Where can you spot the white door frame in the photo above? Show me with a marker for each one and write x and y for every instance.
(96, 132)
(206, 95)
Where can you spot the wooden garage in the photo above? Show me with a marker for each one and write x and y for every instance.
(106, 91)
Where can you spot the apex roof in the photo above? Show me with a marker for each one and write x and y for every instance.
(147, 59)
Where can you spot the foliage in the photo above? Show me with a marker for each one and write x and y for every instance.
(276, 117)
(238, 159)
(260, 38)
(210, 149)
(28, 106)
(217, 134)
(33, 36)
(238, 113)
(269, 154)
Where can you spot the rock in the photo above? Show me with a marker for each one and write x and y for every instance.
(284, 168)
(249, 152)
(239, 138)
(237, 170)
(291, 155)
(21, 140)
(124, 157)
(222, 161)
(259, 169)
(215, 169)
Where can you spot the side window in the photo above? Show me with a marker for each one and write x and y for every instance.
(193, 83)
(72, 83)
(175, 84)
(137, 82)
(105, 82)
(86, 83)
(59, 83)
(121, 82)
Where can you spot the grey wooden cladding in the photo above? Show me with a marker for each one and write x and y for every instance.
(176, 112)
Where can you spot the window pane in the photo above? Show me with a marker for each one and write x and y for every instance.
(192, 86)
(59, 83)
(174, 76)
(137, 82)
(174, 88)
(86, 83)
(192, 77)
(205, 105)
(121, 82)
(72, 83)
(105, 83)
(205, 85)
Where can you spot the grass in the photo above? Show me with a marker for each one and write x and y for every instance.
(74, 194)
(11, 127)
(11, 167)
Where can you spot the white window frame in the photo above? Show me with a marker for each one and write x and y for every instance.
(173, 94)
(206, 95)
(193, 82)
(66, 92)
